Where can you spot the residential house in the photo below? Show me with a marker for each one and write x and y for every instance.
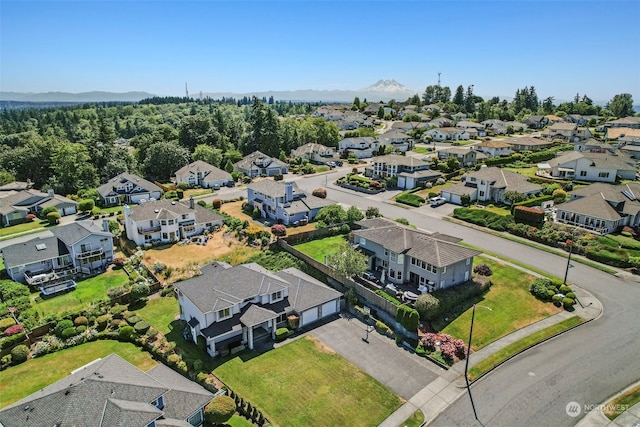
(202, 174)
(167, 221)
(17, 186)
(566, 132)
(315, 153)
(578, 119)
(493, 148)
(622, 135)
(489, 184)
(459, 116)
(362, 147)
(440, 122)
(447, 134)
(79, 248)
(400, 141)
(410, 170)
(595, 146)
(404, 255)
(128, 188)
(236, 306)
(536, 121)
(469, 126)
(624, 122)
(467, 156)
(527, 143)
(283, 201)
(602, 208)
(587, 166)
(259, 164)
(408, 126)
(112, 392)
(552, 119)
(15, 206)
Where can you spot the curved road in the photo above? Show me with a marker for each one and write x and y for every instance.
(586, 365)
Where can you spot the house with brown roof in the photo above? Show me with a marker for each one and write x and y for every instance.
(428, 261)
(622, 135)
(397, 139)
(489, 184)
(566, 131)
(493, 148)
(236, 307)
(602, 208)
(168, 221)
(625, 122)
(527, 143)
(467, 156)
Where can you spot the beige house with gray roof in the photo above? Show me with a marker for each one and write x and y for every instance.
(202, 174)
(589, 166)
(408, 256)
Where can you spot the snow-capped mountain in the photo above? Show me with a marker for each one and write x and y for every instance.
(388, 86)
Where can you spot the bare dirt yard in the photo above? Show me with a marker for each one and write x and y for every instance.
(235, 209)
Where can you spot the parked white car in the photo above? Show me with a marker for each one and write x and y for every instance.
(437, 201)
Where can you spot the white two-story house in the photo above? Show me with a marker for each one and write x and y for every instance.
(315, 153)
(167, 221)
(202, 174)
(128, 188)
(283, 201)
(236, 306)
(590, 166)
(362, 147)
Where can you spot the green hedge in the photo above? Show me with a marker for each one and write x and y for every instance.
(484, 218)
(12, 340)
(408, 317)
(410, 199)
(534, 201)
(447, 299)
(282, 334)
(388, 297)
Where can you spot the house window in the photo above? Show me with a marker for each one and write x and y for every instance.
(468, 261)
(170, 222)
(276, 296)
(196, 419)
(399, 275)
(363, 241)
(393, 257)
(482, 194)
(225, 313)
(164, 236)
(444, 270)
(413, 261)
(603, 175)
(163, 222)
(583, 173)
(104, 242)
(386, 252)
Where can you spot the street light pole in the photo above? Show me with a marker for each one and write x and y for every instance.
(466, 363)
(566, 272)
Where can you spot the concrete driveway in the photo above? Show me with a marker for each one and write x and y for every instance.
(397, 368)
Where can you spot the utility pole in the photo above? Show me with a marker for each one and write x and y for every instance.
(186, 90)
(439, 78)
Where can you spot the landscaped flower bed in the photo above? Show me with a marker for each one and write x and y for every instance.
(441, 347)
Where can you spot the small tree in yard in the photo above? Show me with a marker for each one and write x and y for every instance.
(48, 210)
(372, 212)
(347, 261)
(138, 291)
(53, 218)
(354, 214)
(465, 200)
(279, 230)
(86, 205)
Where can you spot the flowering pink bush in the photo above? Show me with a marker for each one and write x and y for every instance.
(448, 350)
(429, 341)
(12, 330)
(279, 229)
(461, 349)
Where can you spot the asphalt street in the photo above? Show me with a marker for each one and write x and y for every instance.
(586, 365)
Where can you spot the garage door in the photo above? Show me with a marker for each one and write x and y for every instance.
(69, 210)
(309, 316)
(329, 308)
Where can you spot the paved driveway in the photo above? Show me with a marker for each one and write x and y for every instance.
(401, 371)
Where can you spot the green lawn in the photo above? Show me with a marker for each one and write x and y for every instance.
(160, 312)
(23, 228)
(238, 421)
(529, 172)
(414, 420)
(304, 383)
(492, 208)
(512, 307)
(29, 377)
(317, 249)
(87, 291)
(501, 355)
(435, 189)
(621, 403)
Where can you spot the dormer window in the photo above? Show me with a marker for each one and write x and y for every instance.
(223, 314)
(276, 296)
(158, 403)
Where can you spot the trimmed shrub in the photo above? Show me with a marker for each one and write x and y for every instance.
(216, 203)
(483, 270)
(428, 306)
(6, 322)
(125, 333)
(141, 327)
(12, 340)
(219, 410)
(68, 333)
(568, 302)
(279, 230)
(53, 218)
(564, 289)
(12, 330)
(450, 297)
(80, 320)
(118, 310)
(61, 326)
(80, 329)
(117, 291)
(19, 354)
(410, 199)
(320, 192)
(132, 320)
(571, 295)
(282, 334)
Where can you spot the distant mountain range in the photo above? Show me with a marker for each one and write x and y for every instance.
(95, 96)
(382, 90)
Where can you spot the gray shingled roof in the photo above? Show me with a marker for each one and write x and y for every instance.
(272, 188)
(392, 159)
(214, 173)
(247, 162)
(220, 286)
(501, 178)
(256, 315)
(417, 244)
(308, 148)
(74, 232)
(594, 205)
(526, 140)
(108, 188)
(27, 252)
(169, 209)
(305, 291)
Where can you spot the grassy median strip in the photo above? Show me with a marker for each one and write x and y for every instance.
(512, 349)
(621, 403)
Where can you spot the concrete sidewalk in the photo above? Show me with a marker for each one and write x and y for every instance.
(630, 417)
(437, 395)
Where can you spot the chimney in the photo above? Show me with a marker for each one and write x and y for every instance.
(191, 203)
(288, 191)
(50, 192)
(105, 225)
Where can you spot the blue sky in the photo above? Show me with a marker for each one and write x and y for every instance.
(561, 48)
